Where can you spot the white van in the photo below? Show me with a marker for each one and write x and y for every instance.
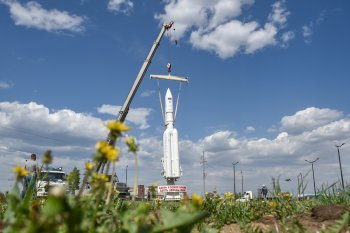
(49, 178)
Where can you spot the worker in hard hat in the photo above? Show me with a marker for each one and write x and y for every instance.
(264, 191)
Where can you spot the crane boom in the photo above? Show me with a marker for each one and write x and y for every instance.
(125, 108)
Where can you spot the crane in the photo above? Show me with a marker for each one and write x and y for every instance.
(123, 112)
(125, 108)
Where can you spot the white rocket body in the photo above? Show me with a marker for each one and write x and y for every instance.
(171, 163)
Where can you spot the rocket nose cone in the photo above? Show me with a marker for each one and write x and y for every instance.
(168, 93)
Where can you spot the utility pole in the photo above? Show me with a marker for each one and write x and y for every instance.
(341, 170)
(300, 185)
(126, 175)
(203, 161)
(234, 178)
(242, 181)
(313, 173)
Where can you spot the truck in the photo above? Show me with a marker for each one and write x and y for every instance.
(247, 196)
(48, 178)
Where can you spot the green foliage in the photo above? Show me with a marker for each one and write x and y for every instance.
(73, 180)
(100, 210)
(3, 205)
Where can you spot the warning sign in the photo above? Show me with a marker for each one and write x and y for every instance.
(172, 189)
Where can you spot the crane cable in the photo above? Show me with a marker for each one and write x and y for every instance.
(180, 84)
(177, 101)
(160, 100)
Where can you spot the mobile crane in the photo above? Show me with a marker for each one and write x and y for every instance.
(125, 107)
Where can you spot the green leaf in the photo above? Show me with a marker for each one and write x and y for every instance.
(181, 220)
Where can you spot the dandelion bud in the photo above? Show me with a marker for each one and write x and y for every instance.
(47, 158)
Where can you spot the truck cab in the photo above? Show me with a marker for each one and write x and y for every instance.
(48, 178)
(247, 196)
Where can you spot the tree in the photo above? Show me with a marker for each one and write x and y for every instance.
(73, 180)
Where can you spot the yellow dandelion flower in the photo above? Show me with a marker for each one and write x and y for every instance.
(100, 144)
(89, 166)
(20, 172)
(112, 154)
(228, 195)
(197, 200)
(103, 178)
(104, 150)
(117, 126)
(272, 204)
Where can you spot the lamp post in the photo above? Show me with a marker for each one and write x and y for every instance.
(242, 181)
(313, 173)
(341, 170)
(234, 177)
(126, 175)
(300, 184)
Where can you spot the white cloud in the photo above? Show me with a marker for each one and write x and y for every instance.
(27, 128)
(225, 40)
(309, 119)
(279, 14)
(32, 117)
(286, 37)
(123, 6)
(217, 29)
(307, 33)
(261, 38)
(137, 116)
(4, 85)
(249, 129)
(32, 15)
(147, 93)
(220, 141)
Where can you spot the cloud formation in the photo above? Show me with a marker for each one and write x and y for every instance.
(120, 6)
(307, 32)
(33, 15)
(308, 119)
(137, 116)
(306, 134)
(216, 27)
(4, 85)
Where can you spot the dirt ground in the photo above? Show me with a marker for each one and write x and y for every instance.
(319, 218)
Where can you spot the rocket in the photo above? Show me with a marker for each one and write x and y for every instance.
(171, 163)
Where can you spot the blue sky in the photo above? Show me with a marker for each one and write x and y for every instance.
(268, 85)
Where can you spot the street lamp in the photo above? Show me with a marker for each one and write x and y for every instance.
(126, 175)
(234, 177)
(341, 171)
(313, 173)
(242, 181)
(300, 185)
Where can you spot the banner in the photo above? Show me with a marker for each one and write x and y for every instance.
(172, 189)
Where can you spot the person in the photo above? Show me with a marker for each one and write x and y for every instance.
(32, 167)
(264, 191)
(148, 195)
